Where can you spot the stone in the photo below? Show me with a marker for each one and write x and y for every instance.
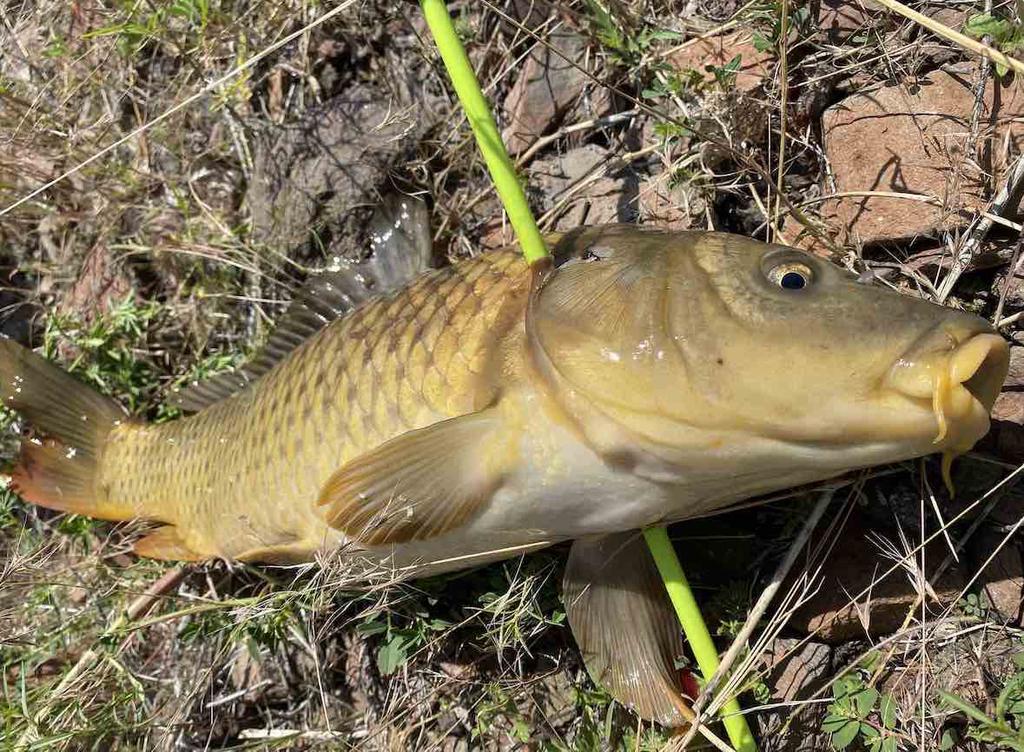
(795, 671)
(706, 53)
(910, 139)
(1009, 406)
(841, 19)
(100, 286)
(853, 566)
(310, 177)
(563, 182)
(672, 207)
(1002, 580)
(796, 235)
(544, 91)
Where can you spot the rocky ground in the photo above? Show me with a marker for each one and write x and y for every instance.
(177, 229)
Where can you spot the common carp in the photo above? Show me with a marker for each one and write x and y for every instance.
(467, 414)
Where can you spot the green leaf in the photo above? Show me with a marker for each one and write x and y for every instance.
(888, 711)
(392, 655)
(889, 744)
(762, 43)
(371, 628)
(964, 707)
(985, 24)
(865, 701)
(833, 723)
(949, 740)
(844, 737)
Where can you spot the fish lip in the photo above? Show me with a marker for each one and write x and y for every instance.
(980, 365)
(967, 365)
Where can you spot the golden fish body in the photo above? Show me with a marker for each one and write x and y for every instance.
(487, 407)
(241, 478)
(491, 408)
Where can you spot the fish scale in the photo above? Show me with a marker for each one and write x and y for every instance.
(244, 474)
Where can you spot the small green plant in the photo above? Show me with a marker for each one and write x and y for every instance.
(974, 605)
(1006, 729)
(626, 46)
(104, 350)
(860, 711)
(1007, 36)
(399, 642)
(498, 704)
(725, 75)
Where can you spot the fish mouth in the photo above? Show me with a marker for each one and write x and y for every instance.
(957, 375)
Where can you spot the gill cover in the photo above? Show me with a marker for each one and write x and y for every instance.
(598, 337)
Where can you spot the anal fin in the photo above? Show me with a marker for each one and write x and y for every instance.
(624, 625)
(166, 543)
(423, 483)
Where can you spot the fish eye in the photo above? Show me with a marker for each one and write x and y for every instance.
(791, 275)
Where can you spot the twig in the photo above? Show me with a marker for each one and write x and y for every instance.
(783, 97)
(954, 36)
(758, 610)
(1008, 197)
(1010, 274)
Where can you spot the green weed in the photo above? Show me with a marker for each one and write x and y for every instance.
(1005, 729)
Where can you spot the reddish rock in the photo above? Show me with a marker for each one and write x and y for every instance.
(1009, 404)
(718, 51)
(545, 89)
(840, 19)
(911, 140)
(796, 235)
(100, 286)
(672, 207)
(853, 567)
(1006, 439)
(795, 670)
(1002, 579)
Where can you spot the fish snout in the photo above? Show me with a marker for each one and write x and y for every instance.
(958, 368)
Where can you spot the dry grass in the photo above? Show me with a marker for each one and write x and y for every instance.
(158, 262)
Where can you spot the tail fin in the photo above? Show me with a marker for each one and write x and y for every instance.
(60, 471)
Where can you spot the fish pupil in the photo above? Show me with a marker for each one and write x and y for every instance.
(793, 281)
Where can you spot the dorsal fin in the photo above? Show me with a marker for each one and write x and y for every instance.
(401, 246)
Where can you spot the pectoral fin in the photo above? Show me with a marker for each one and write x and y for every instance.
(624, 625)
(166, 543)
(422, 483)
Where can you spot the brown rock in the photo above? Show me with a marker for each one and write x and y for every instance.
(545, 89)
(310, 176)
(911, 139)
(672, 207)
(795, 669)
(840, 19)
(568, 184)
(1002, 580)
(853, 567)
(718, 51)
(101, 285)
(1008, 406)
(796, 235)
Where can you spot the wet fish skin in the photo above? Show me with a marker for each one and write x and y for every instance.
(647, 376)
(491, 408)
(241, 478)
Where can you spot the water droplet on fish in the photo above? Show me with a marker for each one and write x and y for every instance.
(611, 355)
(70, 453)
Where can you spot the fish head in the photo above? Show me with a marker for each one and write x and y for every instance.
(679, 354)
